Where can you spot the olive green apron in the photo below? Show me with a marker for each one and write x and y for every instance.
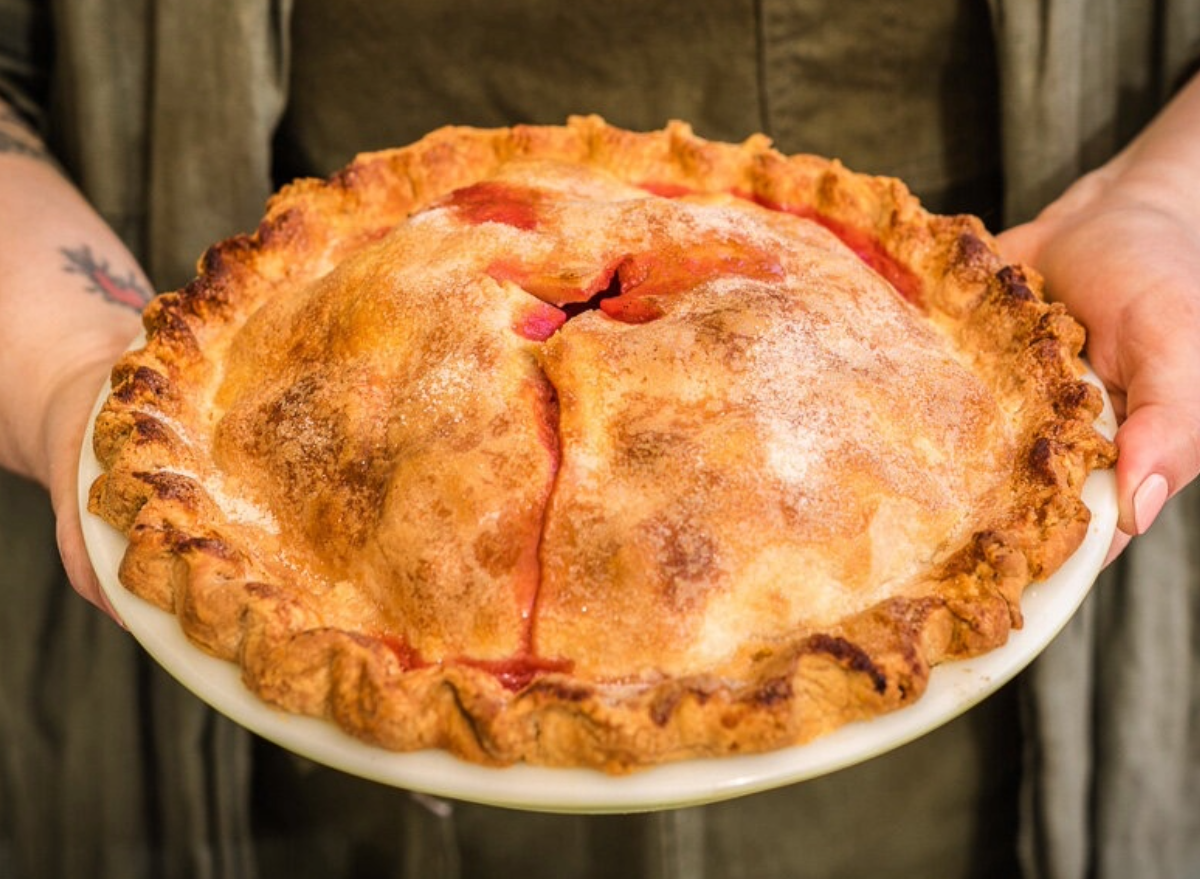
(179, 121)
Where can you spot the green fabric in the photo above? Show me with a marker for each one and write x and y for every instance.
(889, 88)
(422, 64)
(886, 91)
(22, 45)
(957, 788)
(1112, 786)
(168, 119)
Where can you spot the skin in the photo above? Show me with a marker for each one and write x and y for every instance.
(67, 284)
(1121, 248)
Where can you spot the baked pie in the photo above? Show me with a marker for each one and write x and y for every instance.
(576, 446)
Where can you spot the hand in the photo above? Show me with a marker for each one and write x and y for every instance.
(65, 421)
(1124, 257)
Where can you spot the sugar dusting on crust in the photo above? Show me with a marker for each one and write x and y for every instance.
(239, 510)
(835, 378)
(232, 503)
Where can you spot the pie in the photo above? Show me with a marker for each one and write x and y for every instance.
(576, 446)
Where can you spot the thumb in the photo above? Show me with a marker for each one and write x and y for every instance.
(1020, 243)
(1159, 453)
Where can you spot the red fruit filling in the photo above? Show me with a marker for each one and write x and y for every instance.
(865, 245)
(495, 202)
(633, 288)
(513, 672)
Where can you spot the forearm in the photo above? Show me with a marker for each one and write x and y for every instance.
(1163, 162)
(1159, 170)
(70, 296)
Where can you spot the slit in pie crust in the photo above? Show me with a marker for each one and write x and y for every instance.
(576, 446)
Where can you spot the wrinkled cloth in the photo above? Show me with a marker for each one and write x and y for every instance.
(173, 130)
(1112, 781)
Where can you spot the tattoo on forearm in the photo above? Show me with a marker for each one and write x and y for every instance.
(127, 290)
(17, 139)
(22, 146)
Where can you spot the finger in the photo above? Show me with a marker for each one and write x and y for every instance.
(1120, 540)
(76, 561)
(1159, 453)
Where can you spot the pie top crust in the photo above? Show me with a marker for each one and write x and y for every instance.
(577, 446)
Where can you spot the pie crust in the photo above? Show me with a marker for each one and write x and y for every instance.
(576, 446)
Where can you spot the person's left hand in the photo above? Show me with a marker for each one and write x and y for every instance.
(1125, 259)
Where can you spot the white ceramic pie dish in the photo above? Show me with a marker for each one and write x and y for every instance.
(953, 689)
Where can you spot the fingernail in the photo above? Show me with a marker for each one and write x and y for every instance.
(1148, 501)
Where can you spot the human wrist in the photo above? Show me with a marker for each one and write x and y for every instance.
(1157, 183)
(1160, 169)
(46, 416)
(71, 295)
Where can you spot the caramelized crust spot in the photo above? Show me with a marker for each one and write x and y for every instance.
(143, 384)
(1014, 284)
(850, 655)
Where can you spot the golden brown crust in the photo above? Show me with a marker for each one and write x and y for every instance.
(327, 556)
